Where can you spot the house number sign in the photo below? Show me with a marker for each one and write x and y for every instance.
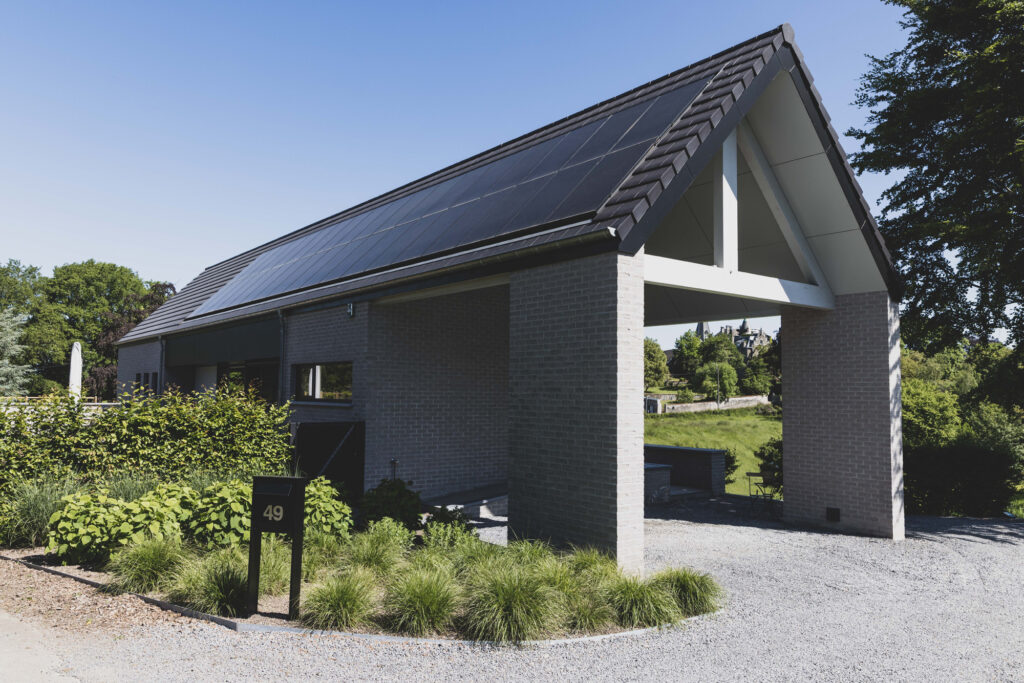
(278, 506)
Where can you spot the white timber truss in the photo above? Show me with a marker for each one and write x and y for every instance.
(725, 277)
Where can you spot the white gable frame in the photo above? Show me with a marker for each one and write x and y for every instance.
(725, 277)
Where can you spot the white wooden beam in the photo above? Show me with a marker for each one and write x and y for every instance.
(668, 272)
(726, 211)
(766, 181)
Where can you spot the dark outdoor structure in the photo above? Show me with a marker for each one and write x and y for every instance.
(447, 316)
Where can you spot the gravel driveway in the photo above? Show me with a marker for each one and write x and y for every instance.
(946, 604)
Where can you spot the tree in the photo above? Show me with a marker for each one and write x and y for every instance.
(772, 357)
(655, 364)
(717, 380)
(12, 375)
(947, 112)
(80, 302)
(720, 348)
(18, 286)
(931, 416)
(687, 357)
(757, 379)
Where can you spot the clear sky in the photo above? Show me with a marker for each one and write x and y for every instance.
(169, 136)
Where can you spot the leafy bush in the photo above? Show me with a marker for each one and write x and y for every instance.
(639, 603)
(445, 515)
(215, 584)
(422, 601)
(144, 566)
(769, 454)
(87, 528)
(392, 498)
(447, 535)
(966, 477)
(931, 416)
(223, 516)
(655, 364)
(732, 463)
(226, 432)
(506, 603)
(324, 511)
(381, 547)
(342, 601)
(717, 380)
(694, 593)
(153, 516)
(31, 505)
(685, 395)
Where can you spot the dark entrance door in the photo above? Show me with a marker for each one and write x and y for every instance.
(335, 450)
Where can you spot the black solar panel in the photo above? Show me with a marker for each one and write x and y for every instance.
(569, 175)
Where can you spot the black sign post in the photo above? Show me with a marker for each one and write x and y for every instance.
(278, 506)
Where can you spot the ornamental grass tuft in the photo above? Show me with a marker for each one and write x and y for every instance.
(31, 504)
(321, 552)
(145, 566)
(215, 584)
(640, 603)
(694, 593)
(508, 603)
(275, 565)
(381, 548)
(342, 601)
(421, 601)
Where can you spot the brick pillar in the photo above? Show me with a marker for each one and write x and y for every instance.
(576, 416)
(842, 426)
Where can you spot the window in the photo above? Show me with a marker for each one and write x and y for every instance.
(324, 382)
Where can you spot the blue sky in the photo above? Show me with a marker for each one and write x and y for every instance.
(169, 136)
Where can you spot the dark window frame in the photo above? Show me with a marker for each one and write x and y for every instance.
(300, 397)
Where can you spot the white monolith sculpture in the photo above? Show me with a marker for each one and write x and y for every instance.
(75, 376)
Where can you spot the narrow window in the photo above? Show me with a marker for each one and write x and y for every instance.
(153, 383)
(324, 382)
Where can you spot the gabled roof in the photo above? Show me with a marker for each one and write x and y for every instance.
(604, 176)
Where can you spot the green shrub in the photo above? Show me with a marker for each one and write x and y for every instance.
(87, 528)
(422, 601)
(381, 548)
(445, 515)
(592, 563)
(182, 499)
(214, 584)
(153, 516)
(529, 551)
(931, 416)
(447, 536)
(769, 455)
(395, 499)
(42, 439)
(129, 486)
(223, 515)
(966, 477)
(694, 593)
(275, 565)
(320, 552)
(324, 511)
(506, 603)
(31, 504)
(342, 601)
(144, 566)
(685, 395)
(639, 603)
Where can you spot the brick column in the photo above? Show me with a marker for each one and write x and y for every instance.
(842, 426)
(576, 416)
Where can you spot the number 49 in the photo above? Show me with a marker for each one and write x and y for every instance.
(274, 512)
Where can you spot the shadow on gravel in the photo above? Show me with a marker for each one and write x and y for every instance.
(992, 530)
(726, 510)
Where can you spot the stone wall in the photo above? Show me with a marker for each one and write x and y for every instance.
(576, 384)
(438, 391)
(842, 427)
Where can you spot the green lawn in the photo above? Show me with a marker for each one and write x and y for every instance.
(1017, 506)
(742, 430)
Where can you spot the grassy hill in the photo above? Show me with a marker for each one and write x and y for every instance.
(742, 430)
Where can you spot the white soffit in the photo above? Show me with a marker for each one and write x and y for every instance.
(792, 147)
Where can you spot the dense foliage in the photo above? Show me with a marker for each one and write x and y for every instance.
(716, 380)
(87, 528)
(655, 364)
(947, 116)
(230, 431)
(13, 374)
(769, 455)
(392, 498)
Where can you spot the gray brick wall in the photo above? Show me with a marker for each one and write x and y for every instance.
(438, 394)
(576, 384)
(842, 426)
(324, 336)
(136, 358)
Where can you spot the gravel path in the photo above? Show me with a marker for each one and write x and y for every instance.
(946, 604)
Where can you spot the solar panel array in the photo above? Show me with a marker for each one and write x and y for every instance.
(565, 176)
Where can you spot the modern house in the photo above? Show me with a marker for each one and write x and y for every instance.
(447, 317)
